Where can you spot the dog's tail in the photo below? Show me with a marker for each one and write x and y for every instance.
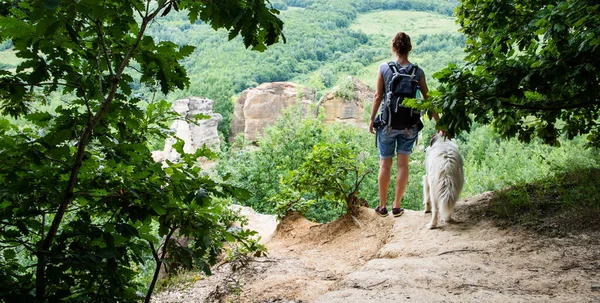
(451, 181)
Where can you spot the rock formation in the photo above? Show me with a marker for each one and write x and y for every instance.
(195, 135)
(259, 107)
(347, 104)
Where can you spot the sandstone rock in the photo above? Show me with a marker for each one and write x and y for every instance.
(347, 109)
(195, 135)
(264, 225)
(259, 107)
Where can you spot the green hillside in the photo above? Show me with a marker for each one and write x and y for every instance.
(412, 22)
(325, 43)
(331, 38)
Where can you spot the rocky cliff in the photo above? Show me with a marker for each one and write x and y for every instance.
(346, 103)
(260, 106)
(196, 134)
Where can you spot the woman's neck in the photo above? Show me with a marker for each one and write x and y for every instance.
(402, 59)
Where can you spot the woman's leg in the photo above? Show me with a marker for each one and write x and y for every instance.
(385, 167)
(401, 179)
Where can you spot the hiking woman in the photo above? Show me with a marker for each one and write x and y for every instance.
(401, 138)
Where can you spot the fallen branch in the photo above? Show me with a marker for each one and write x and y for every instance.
(368, 287)
(265, 261)
(356, 221)
(460, 250)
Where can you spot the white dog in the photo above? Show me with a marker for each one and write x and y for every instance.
(443, 180)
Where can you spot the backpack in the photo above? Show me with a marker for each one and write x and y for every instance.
(402, 85)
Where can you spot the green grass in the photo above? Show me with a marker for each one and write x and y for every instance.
(181, 280)
(564, 204)
(383, 25)
(368, 75)
(413, 23)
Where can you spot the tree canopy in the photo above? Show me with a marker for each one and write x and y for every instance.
(532, 70)
(81, 197)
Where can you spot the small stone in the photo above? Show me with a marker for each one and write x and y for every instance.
(595, 287)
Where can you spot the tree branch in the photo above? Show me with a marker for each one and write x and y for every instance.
(41, 84)
(106, 57)
(565, 106)
(159, 262)
(154, 252)
(77, 163)
(341, 188)
(55, 160)
(21, 243)
(363, 178)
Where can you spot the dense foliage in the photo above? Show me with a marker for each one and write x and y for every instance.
(443, 7)
(298, 161)
(82, 199)
(532, 70)
(332, 173)
(440, 6)
(278, 170)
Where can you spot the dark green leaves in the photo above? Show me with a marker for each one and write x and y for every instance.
(532, 69)
(51, 4)
(257, 24)
(82, 201)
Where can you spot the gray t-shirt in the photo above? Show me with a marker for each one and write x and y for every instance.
(387, 74)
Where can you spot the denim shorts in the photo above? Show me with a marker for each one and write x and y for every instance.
(400, 141)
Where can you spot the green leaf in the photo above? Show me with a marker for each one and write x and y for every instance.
(178, 146)
(38, 117)
(51, 4)
(202, 198)
(9, 254)
(186, 50)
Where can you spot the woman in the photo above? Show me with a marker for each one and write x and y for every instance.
(395, 141)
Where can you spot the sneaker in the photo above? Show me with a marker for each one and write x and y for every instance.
(397, 212)
(381, 211)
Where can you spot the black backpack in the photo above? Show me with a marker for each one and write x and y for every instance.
(402, 85)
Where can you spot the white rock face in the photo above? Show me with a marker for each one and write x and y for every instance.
(195, 135)
(264, 225)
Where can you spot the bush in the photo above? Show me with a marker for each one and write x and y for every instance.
(492, 163)
(332, 172)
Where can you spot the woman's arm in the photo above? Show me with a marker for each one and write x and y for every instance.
(376, 100)
(424, 90)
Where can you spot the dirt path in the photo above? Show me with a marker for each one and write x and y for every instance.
(373, 259)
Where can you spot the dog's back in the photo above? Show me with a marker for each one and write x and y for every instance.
(444, 177)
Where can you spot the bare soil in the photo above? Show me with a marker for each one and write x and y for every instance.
(372, 259)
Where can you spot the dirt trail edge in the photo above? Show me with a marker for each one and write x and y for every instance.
(373, 259)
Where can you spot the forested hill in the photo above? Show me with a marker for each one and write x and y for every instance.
(326, 40)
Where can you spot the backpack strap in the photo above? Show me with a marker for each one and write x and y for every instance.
(393, 66)
(413, 69)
